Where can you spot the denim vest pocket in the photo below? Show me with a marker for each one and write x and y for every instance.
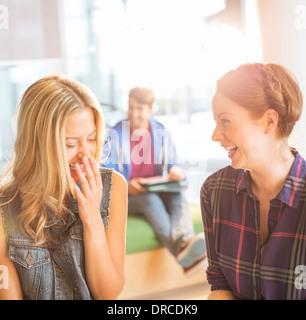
(33, 265)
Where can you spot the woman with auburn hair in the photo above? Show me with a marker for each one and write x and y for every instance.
(254, 211)
(62, 232)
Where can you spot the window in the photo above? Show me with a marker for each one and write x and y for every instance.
(174, 47)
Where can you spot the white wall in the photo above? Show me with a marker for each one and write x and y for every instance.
(31, 31)
(283, 33)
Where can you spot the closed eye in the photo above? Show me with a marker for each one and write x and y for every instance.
(70, 146)
(224, 121)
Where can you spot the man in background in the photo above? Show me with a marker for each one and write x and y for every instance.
(140, 149)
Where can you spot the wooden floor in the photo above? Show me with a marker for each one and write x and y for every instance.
(156, 275)
(196, 292)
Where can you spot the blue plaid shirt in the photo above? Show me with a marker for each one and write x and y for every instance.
(236, 259)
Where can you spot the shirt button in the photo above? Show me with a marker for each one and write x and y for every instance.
(75, 289)
(271, 224)
(59, 251)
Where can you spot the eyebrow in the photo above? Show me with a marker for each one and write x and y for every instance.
(224, 113)
(75, 138)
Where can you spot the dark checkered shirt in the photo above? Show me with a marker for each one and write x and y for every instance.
(231, 218)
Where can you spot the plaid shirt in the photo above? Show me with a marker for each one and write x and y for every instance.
(231, 218)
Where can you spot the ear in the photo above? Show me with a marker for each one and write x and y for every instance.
(271, 118)
(150, 108)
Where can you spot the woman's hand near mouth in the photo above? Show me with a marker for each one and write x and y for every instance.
(89, 198)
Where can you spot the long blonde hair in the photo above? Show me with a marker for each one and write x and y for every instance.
(39, 172)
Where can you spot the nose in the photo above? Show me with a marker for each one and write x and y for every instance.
(133, 114)
(83, 152)
(217, 135)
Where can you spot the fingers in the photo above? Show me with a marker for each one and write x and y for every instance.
(92, 171)
(135, 188)
(89, 172)
(89, 194)
(175, 174)
(82, 179)
(96, 171)
(140, 180)
(89, 177)
(77, 190)
(173, 177)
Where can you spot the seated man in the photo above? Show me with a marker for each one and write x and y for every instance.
(140, 148)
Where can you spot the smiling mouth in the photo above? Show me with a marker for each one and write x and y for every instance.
(231, 150)
(72, 166)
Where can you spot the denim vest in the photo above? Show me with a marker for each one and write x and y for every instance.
(54, 270)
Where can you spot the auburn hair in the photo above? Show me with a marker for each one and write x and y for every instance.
(258, 87)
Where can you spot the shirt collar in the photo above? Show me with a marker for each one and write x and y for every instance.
(292, 189)
(54, 219)
(295, 183)
(243, 182)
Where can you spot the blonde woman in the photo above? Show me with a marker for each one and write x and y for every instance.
(62, 232)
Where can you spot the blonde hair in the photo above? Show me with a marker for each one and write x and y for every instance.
(40, 168)
(258, 87)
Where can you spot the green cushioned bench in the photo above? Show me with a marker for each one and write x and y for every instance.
(141, 237)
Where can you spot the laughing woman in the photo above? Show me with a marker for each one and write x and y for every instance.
(62, 232)
(254, 211)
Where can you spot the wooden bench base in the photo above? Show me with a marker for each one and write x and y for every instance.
(153, 272)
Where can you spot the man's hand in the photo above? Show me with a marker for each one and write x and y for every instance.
(176, 174)
(134, 186)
